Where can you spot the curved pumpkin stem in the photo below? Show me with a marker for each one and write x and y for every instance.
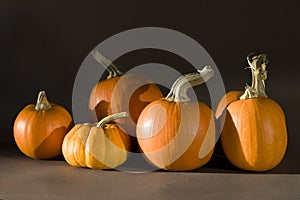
(112, 117)
(258, 65)
(113, 70)
(42, 101)
(179, 89)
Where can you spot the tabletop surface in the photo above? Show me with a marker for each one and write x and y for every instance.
(26, 178)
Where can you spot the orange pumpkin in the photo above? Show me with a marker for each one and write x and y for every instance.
(98, 146)
(175, 133)
(130, 93)
(254, 136)
(40, 129)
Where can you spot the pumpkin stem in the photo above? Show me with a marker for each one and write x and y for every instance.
(258, 65)
(109, 118)
(179, 89)
(113, 70)
(42, 101)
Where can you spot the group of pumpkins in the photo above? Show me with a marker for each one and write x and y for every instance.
(172, 132)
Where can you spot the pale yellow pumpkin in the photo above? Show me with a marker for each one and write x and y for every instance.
(97, 146)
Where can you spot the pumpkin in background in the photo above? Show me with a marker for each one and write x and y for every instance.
(254, 135)
(39, 129)
(98, 146)
(175, 133)
(130, 93)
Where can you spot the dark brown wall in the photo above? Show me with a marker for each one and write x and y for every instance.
(42, 44)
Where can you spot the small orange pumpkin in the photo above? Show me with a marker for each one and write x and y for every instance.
(254, 136)
(175, 133)
(130, 93)
(39, 129)
(98, 146)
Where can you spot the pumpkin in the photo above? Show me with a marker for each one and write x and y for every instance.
(98, 146)
(39, 129)
(130, 93)
(175, 133)
(254, 135)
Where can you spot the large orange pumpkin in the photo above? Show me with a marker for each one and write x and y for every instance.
(254, 135)
(130, 93)
(175, 133)
(98, 146)
(39, 129)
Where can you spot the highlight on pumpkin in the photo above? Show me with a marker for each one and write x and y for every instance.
(175, 133)
(98, 146)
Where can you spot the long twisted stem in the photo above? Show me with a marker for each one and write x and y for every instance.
(258, 65)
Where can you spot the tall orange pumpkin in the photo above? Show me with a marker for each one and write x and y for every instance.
(254, 135)
(130, 93)
(39, 129)
(175, 133)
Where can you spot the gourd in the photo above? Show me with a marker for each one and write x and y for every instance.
(130, 93)
(254, 135)
(175, 133)
(39, 129)
(98, 146)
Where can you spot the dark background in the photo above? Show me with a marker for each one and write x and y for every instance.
(43, 43)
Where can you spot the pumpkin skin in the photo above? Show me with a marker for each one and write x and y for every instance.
(39, 133)
(172, 134)
(162, 121)
(225, 101)
(100, 98)
(87, 145)
(254, 135)
(109, 96)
